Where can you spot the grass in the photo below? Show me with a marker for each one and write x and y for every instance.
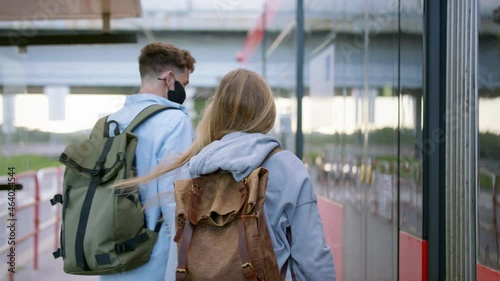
(23, 163)
(485, 182)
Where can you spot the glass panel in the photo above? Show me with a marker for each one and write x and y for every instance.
(350, 124)
(411, 118)
(488, 203)
(380, 139)
(277, 63)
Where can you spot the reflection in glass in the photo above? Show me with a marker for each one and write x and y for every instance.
(488, 201)
(350, 122)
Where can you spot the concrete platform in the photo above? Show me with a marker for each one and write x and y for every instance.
(49, 270)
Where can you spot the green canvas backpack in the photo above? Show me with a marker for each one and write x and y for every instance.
(103, 229)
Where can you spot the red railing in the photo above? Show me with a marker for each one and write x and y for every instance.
(496, 202)
(38, 187)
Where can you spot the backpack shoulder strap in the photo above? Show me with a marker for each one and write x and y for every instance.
(274, 151)
(288, 263)
(145, 114)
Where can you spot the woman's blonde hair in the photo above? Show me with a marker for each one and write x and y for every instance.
(243, 102)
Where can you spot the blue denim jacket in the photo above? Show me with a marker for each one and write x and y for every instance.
(164, 136)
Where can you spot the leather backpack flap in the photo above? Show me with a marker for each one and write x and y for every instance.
(220, 201)
(182, 190)
(260, 245)
(257, 185)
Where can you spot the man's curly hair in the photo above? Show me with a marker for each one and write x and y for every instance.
(155, 58)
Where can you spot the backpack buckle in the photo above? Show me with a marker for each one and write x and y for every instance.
(249, 271)
(56, 199)
(98, 168)
(180, 274)
(120, 248)
(196, 186)
(247, 265)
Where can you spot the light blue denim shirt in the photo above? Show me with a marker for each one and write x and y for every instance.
(290, 201)
(163, 136)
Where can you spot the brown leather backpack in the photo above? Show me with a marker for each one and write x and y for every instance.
(221, 229)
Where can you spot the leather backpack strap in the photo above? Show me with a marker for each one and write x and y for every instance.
(190, 223)
(274, 151)
(247, 267)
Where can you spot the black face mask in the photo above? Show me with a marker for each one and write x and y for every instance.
(178, 95)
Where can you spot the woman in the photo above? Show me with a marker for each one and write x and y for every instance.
(231, 137)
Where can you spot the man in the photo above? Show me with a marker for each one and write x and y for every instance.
(164, 71)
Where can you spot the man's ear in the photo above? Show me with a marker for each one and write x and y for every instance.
(170, 80)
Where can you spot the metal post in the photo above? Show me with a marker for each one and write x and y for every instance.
(106, 16)
(461, 140)
(36, 221)
(365, 117)
(433, 145)
(300, 77)
(366, 95)
(264, 43)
